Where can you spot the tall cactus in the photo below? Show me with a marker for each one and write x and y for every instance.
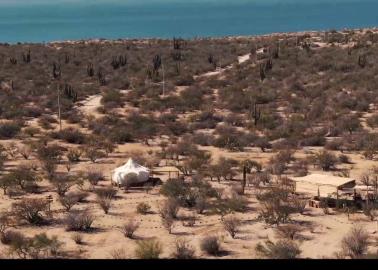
(115, 64)
(119, 61)
(66, 58)
(212, 60)
(256, 113)
(177, 43)
(13, 61)
(56, 71)
(177, 56)
(101, 77)
(362, 61)
(268, 65)
(156, 62)
(90, 70)
(276, 52)
(70, 92)
(262, 72)
(27, 57)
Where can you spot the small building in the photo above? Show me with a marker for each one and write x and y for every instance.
(324, 186)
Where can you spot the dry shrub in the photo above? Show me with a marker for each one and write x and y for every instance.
(168, 222)
(211, 245)
(129, 228)
(355, 243)
(169, 208)
(78, 238)
(8, 130)
(299, 204)
(183, 250)
(93, 154)
(74, 155)
(130, 180)
(8, 237)
(63, 183)
(107, 192)
(68, 201)
(201, 204)
(189, 221)
(24, 177)
(81, 196)
(143, 208)
(148, 249)
(4, 222)
(283, 249)
(231, 225)
(25, 152)
(38, 247)
(79, 221)
(118, 254)
(105, 203)
(237, 203)
(288, 231)
(325, 160)
(105, 197)
(31, 210)
(94, 177)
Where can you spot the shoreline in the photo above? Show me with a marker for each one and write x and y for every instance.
(231, 37)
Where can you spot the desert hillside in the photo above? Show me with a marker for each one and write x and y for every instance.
(223, 125)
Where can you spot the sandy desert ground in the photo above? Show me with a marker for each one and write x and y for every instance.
(320, 237)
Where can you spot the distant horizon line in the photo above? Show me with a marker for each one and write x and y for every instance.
(94, 39)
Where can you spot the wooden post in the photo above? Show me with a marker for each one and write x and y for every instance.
(244, 178)
(163, 80)
(337, 197)
(49, 200)
(59, 113)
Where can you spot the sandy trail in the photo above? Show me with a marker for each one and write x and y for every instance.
(218, 71)
(90, 105)
(244, 58)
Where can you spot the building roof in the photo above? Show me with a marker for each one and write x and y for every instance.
(324, 180)
(325, 185)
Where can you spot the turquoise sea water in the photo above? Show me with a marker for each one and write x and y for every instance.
(28, 21)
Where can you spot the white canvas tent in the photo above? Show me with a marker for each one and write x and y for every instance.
(120, 174)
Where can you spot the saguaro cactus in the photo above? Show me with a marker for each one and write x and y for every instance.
(256, 113)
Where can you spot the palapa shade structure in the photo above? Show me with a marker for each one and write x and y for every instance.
(322, 184)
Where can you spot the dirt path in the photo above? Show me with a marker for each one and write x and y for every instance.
(218, 71)
(92, 103)
(244, 58)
